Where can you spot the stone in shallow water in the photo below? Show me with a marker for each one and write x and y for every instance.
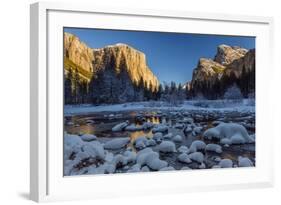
(117, 143)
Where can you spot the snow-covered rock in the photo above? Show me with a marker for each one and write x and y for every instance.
(167, 146)
(177, 138)
(197, 157)
(233, 131)
(158, 136)
(151, 159)
(179, 126)
(197, 145)
(214, 148)
(145, 169)
(197, 130)
(184, 158)
(160, 128)
(117, 143)
(225, 141)
(225, 163)
(147, 125)
(244, 162)
(88, 137)
(119, 127)
(94, 149)
(183, 149)
(133, 127)
(141, 142)
(168, 136)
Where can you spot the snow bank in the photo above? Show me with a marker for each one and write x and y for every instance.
(117, 143)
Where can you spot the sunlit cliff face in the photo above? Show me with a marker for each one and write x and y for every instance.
(117, 57)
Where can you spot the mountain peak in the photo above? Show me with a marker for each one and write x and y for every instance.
(227, 54)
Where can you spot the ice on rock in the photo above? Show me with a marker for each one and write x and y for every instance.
(117, 143)
(197, 145)
(197, 157)
(158, 136)
(183, 149)
(88, 137)
(177, 138)
(244, 162)
(160, 128)
(167, 146)
(236, 133)
(225, 163)
(120, 127)
(184, 158)
(214, 148)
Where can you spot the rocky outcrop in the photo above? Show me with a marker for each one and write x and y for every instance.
(231, 65)
(122, 56)
(227, 54)
(115, 73)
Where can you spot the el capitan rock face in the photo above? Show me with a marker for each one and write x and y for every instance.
(231, 65)
(112, 74)
(128, 58)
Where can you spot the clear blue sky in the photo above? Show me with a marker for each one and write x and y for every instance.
(171, 56)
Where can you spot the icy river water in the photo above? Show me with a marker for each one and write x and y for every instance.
(100, 124)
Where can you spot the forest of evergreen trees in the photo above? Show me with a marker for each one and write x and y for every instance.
(107, 87)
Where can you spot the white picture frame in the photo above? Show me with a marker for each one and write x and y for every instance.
(46, 177)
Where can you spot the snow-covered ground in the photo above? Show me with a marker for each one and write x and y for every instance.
(245, 105)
